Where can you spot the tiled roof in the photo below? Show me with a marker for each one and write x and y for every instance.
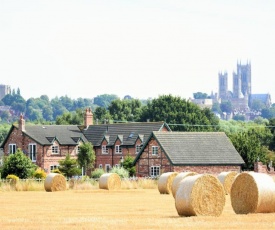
(128, 132)
(198, 148)
(46, 134)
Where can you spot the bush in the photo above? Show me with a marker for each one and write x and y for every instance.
(39, 174)
(122, 172)
(18, 164)
(57, 171)
(97, 173)
(13, 179)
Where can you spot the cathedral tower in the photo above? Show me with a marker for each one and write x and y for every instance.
(223, 85)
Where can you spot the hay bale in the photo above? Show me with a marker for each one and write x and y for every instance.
(200, 195)
(178, 179)
(110, 181)
(165, 182)
(227, 179)
(55, 182)
(253, 192)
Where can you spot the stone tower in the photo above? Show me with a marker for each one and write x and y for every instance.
(4, 90)
(223, 85)
(244, 73)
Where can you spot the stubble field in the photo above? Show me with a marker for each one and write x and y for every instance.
(121, 209)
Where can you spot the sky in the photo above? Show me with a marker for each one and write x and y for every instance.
(141, 48)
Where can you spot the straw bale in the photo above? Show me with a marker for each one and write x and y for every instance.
(110, 181)
(200, 195)
(165, 182)
(227, 179)
(55, 182)
(253, 192)
(178, 179)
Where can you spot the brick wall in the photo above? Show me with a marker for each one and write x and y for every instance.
(261, 168)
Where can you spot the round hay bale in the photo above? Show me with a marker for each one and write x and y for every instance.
(178, 179)
(227, 179)
(253, 192)
(200, 195)
(110, 181)
(165, 182)
(55, 182)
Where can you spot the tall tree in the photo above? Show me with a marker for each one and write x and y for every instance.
(182, 115)
(86, 156)
(69, 167)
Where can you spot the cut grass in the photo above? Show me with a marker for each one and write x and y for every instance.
(121, 209)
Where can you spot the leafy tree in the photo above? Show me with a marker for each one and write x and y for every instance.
(86, 156)
(226, 106)
(101, 114)
(186, 115)
(268, 112)
(70, 118)
(18, 164)
(125, 110)
(69, 167)
(216, 108)
(128, 165)
(251, 145)
(105, 100)
(239, 117)
(200, 95)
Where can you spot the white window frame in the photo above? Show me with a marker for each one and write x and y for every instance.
(100, 166)
(104, 149)
(77, 149)
(55, 149)
(53, 167)
(106, 168)
(155, 150)
(154, 171)
(138, 148)
(32, 151)
(12, 148)
(118, 149)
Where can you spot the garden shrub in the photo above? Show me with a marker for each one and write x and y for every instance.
(97, 173)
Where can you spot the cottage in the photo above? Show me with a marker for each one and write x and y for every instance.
(201, 152)
(45, 145)
(113, 142)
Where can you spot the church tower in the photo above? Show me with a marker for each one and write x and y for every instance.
(223, 85)
(245, 72)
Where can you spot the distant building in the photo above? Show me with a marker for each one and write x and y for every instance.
(4, 90)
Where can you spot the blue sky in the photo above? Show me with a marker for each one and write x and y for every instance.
(85, 48)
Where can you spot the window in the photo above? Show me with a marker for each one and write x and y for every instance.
(118, 149)
(53, 167)
(155, 150)
(107, 168)
(55, 149)
(12, 148)
(138, 148)
(104, 149)
(77, 150)
(155, 171)
(117, 165)
(100, 166)
(32, 152)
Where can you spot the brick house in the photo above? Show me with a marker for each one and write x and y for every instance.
(45, 145)
(113, 142)
(201, 152)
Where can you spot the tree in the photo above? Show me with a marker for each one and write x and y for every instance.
(69, 167)
(200, 95)
(185, 115)
(251, 145)
(226, 106)
(18, 164)
(70, 118)
(105, 100)
(128, 165)
(86, 156)
(257, 105)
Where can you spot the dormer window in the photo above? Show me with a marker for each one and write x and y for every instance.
(138, 148)
(104, 149)
(55, 149)
(12, 148)
(118, 149)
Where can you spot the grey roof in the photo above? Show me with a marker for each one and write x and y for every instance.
(46, 134)
(198, 148)
(127, 132)
(262, 97)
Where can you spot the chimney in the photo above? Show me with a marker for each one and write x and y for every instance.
(22, 123)
(88, 117)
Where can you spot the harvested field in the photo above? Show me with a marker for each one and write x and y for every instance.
(119, 209)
